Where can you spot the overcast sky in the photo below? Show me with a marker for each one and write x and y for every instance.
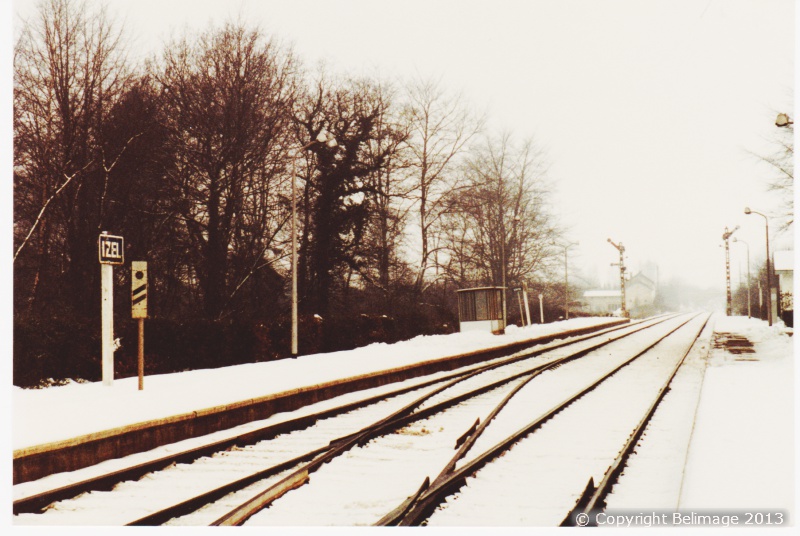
(646, 109)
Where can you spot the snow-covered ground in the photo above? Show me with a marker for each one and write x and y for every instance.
(741, 453)
(42, 416)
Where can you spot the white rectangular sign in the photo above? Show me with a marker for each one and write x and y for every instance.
(111, 249)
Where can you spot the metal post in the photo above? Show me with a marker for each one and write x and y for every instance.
(566, 285)
(294, 258)
(527, 307)
(621, 250)
(727, 275)
(622, 279)
(769, 274)
(503, 258)
(541, 309)
(140, 359)
(725, 238)
(107, 322)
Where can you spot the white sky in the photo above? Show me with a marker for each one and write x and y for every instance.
(646, 109)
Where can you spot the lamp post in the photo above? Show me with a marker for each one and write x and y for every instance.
(769, 274)
(725, 237)
(566, 247)
(621, 250)
(503, 262)
(746, 245)
(326, 138)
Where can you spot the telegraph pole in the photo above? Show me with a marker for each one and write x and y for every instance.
(621, 250)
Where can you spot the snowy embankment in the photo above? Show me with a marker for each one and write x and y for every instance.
(742, 451)
(43, 416)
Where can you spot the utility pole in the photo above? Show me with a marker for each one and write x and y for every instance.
(566, 276)
(621, 250)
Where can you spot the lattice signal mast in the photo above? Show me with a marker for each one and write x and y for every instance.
(726, 237)
(621, 264)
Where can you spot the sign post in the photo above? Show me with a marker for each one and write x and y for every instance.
(541, 308)
(525, 297)
(518, 292)
(110, 252)
(139, 308)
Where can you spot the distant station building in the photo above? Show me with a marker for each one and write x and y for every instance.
(601, 302)
(640, 293)
(481, 309)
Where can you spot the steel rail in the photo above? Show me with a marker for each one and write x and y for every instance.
(398, 419)
(39, 501)
(401, 418)
(448, 483)
(36, 503)
(592, 500)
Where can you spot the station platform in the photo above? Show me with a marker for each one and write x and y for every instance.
(68, 427)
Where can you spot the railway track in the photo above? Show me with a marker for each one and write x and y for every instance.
(250, 472)
(587, 437)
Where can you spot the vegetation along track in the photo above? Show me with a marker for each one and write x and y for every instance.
(300, 460)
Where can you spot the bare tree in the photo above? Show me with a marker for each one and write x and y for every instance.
(227, 96)
(441, 126)
(781, 161)
(498, 225)
(69, 73)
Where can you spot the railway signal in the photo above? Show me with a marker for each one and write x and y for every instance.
(621, 250)
(726, 237)
(139, 308)
(111, 251)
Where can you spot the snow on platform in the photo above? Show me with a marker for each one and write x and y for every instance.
(742, 451)
(43, 416)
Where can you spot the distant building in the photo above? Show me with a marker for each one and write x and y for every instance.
(640, 292)
(602, 302)
(783, 262)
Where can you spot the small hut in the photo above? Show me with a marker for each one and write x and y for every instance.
(481, 309)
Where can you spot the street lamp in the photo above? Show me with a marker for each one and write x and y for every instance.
(748, 273)
(769, 276)
(566, 276)
(783, 120)
(326, 138)
(621, 250)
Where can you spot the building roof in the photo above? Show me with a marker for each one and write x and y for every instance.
(784, 261)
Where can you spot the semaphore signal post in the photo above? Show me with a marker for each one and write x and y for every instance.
(139, 308)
